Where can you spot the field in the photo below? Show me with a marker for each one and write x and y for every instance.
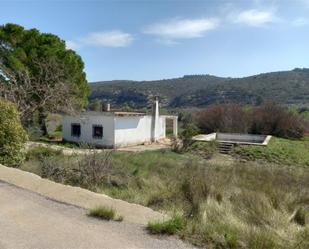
(257, 198)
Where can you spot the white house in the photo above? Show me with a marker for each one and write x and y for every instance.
(113, 129)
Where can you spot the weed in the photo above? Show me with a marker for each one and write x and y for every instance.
(105, 213)
(169, 227)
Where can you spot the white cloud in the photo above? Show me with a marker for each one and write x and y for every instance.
(113, 38)
(301, 21)
(71, 45)
(254, 17)
(181, 29)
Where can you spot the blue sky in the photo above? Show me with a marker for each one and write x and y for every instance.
(156, 39)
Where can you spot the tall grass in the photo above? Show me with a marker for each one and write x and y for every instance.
(241, 205)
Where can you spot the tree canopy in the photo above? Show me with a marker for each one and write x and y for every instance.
(38, 73)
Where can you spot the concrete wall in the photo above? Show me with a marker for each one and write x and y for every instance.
(205, 137)
(135, 130)
(241, 137)
(234, 138)
(86, 122)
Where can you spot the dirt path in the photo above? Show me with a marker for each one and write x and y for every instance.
(72, 151)
(30, 221)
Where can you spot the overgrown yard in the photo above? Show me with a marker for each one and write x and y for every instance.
(279, 150)
(244, 204)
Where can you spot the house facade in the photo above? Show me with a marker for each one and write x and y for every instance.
(113, 129)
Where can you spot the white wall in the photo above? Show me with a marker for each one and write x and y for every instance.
(162, 126)
(133, 130)
(118, 131)
(86, 122)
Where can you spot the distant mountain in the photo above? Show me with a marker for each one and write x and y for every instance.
(286, 87)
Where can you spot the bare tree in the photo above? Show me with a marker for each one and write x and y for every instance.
(48, 90)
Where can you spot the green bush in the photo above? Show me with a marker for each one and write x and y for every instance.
(12, 135)
(55, 135)
(170, 227)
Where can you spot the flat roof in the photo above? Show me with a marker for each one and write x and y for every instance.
(116, 113)
(130, 113)
(111, 113)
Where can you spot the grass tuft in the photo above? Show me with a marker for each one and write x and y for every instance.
(169, 227)
(105, 213)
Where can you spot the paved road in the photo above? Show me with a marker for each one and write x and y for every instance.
(28, 220)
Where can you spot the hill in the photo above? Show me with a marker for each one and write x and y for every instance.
(285, 87)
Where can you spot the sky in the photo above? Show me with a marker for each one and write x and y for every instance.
(160, 39)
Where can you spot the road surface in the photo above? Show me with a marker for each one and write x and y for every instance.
(31, 221)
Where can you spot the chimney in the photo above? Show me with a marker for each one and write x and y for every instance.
(106, 107)
(155, 120)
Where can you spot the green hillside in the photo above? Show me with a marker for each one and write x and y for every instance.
(286, 87)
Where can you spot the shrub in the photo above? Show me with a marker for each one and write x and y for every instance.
(229, 117)
(268, 119)
(172, 226)
(34, 132)
(278, 121)
(95, 168)
(12, 135)
(41, 152)
(53, 168)
(89, 170)
(105, 213)
(55, 135)
(189, 131)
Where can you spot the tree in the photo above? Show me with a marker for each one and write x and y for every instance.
(225, 117)
(12, 135)
(39, 74)
(95, 105)
(273, 119)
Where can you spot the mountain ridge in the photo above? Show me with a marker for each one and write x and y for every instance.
(285, 87)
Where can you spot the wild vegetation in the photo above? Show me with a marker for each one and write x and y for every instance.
(286, 88)
(255, 198)
(105, 213)
(280, 151)
(12, 135)
(171, 226)
(215, 201)
(267, 119)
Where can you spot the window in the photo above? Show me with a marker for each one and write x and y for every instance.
(75, 130)
(97, 131)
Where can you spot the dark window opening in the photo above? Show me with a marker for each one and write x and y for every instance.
(97, 131)
(75, 130)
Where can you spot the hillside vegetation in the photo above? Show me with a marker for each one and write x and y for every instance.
(286, 87)
(216, 201)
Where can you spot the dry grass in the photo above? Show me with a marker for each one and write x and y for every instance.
(235, 205)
